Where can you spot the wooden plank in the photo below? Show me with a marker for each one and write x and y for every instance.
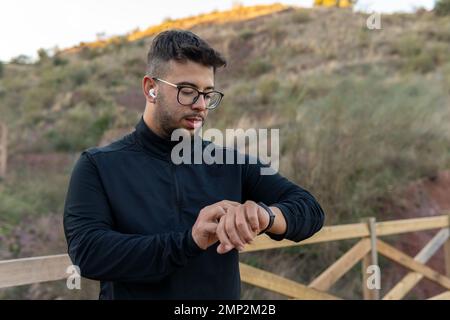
(443, 296)
(374, 293)
(411, 225)
(3, 149)
(333, 273)
(370, 259)
(408, 282)
(408, 262)
(447, 252)
(366, 262)
(373, 241)
(447, 257)
(33, 270)
(275, 283)
(352, 231)
(328, 233)
(43, 272)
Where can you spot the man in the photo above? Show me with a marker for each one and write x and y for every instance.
(150, 229)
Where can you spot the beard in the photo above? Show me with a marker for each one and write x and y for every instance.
(163, 117)
(167, 120)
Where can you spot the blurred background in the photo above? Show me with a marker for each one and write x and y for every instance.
(363, 112)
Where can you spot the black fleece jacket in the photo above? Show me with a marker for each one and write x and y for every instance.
(129, 211)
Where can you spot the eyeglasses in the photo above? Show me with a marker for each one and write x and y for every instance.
(188, 95)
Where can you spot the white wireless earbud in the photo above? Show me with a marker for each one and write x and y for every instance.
(152, 94)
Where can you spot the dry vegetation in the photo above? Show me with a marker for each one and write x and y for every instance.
(360, 113)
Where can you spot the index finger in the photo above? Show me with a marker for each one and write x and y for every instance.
(214, 213)
(228, 203)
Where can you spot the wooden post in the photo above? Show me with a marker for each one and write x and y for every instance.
(447, 251)
(3, 149)
(370, 259)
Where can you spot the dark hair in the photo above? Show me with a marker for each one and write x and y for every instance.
(180, 45)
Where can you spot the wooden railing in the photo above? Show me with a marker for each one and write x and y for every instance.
(3, 149)
(50, 268)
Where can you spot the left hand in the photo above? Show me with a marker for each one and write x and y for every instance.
(240, 225)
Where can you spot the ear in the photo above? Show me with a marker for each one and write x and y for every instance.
(149, 89)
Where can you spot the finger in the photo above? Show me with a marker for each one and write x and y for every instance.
(225, 243)
(242, 225)
(230, 229)
(252, 216)
(209, 227)
(214, 213)
(221, 248)
(230, 202)
(226, 204)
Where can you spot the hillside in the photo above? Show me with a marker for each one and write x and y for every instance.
(361, 114)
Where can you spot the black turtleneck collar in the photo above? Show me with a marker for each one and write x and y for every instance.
(151, 141)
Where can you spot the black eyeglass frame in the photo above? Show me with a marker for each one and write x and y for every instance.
(182, 86)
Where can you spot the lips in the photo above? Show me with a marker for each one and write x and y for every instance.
(193, 121)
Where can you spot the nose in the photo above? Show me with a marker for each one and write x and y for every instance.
(200, 104)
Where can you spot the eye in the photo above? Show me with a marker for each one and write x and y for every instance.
(187, 91)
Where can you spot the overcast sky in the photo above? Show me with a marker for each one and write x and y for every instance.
(27, 25)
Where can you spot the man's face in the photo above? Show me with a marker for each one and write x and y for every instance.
(169, 113)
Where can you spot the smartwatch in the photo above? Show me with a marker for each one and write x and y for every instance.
(271, 216)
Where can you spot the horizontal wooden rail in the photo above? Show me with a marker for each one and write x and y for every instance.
(276, 283)
(356, 230)
(33, 270)
(49, 268)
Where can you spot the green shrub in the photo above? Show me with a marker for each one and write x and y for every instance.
(88, 95)
(268, 90)
(442, 7)
(82, 127)
(36, 101)
(351, 145)
(80, 76)
(118, 42)
(12, 208)
(88, 53)
(21, 59)
(301, 16)
(43, 55)
(429, 57)
(408, 46)
(59, 61)
(246, 34)
(420, 56)
(258, 67)
(423, 62)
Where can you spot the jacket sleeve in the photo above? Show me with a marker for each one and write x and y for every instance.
(304, 215)
(104, 254)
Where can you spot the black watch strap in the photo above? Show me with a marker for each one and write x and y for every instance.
(271, 217)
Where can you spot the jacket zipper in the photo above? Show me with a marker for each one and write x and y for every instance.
(177, 191)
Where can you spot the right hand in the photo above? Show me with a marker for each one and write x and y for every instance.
(204, 229)
(240, 226)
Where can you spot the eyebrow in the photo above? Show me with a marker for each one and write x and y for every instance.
(183, 83)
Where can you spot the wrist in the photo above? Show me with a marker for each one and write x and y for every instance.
(280, 225)
(271, 217)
